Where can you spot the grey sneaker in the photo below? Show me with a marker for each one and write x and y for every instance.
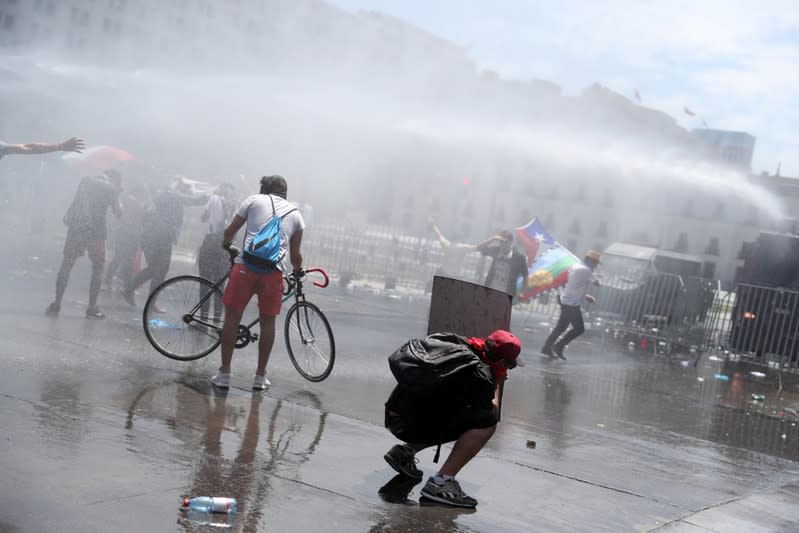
(402, 458)
(260, 382)
(221, 380)
(450, 493)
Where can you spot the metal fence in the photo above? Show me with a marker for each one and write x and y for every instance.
(669, 314)
(381, 257)
(656, 312)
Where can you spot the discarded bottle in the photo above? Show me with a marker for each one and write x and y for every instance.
(198, 518)
(208, 504)
(721, 377)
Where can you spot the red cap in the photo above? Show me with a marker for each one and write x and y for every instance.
(185, 502)
(504, 344)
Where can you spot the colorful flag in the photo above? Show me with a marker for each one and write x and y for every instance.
(531, 236)
(549, 271)
(689, 112)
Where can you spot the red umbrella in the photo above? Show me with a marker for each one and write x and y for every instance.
(96, 159)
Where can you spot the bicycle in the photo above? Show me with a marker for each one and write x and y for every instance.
(177, 322)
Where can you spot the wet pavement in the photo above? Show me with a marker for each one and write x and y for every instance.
(101, 433)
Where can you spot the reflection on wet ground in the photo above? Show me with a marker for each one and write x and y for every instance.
(666, 396)
(100, 427)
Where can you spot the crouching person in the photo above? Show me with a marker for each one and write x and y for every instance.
(447, 390)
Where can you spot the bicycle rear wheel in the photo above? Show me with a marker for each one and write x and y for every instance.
(174, 322)
(309, 341)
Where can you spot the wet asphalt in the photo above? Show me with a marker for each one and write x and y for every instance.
(102, 433)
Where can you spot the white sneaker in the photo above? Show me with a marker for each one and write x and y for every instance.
(221, 380)
(260, 382)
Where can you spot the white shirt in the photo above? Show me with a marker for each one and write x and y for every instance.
(579, 283)
(216, 214)
(257, 210)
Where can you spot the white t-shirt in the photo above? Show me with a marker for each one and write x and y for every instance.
(579, 283)
(257, 210)
(216, 214)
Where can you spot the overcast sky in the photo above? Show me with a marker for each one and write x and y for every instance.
(735, 64)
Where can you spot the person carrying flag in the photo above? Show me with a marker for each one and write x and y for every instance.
(580, 279)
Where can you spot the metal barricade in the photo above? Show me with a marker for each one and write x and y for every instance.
(380, 256)
(764, 326)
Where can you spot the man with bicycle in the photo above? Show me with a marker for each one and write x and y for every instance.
(244, 282)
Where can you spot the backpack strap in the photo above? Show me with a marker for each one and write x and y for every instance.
(274, 213)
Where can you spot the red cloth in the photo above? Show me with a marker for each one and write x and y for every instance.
(503, 345)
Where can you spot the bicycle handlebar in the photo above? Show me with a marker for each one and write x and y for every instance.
(324, 274)
(232, 250)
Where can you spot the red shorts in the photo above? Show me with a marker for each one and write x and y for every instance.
(74, 248)
(243, 283)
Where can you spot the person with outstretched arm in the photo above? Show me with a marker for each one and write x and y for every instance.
(70, 145)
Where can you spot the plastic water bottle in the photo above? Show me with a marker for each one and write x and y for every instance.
(207, 504)
(215, 520)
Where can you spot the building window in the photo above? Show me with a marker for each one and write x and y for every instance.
(713, 246)
(708, 270)
(682, 243)
(575, 226)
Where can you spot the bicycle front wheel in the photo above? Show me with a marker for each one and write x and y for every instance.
(176, 323)
(309, 341)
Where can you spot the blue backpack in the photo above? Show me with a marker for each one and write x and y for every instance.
(264, 251)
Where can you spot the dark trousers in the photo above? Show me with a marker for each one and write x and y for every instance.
(125, 250)
(213, 262)
(158, 254)
(570, 315)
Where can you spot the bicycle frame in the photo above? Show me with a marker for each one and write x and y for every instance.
(245, 336)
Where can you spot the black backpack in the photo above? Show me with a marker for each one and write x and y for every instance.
(423, 365)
